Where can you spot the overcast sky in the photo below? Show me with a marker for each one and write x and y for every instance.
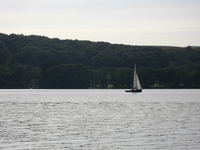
(134, 22)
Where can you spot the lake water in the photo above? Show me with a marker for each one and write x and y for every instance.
(99, 119)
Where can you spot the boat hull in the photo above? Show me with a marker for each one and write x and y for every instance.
(134, 91)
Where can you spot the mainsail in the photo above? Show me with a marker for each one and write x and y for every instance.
(136, 81)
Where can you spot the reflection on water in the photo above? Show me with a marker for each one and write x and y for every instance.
(99, 119)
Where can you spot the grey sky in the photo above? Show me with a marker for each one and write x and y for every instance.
(134, 22)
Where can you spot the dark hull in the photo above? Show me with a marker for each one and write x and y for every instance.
(138, 90)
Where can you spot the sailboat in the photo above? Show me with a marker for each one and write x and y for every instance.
(136, 83)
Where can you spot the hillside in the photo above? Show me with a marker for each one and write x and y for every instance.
(41, 62)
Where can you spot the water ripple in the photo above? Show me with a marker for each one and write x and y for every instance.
(34, 122)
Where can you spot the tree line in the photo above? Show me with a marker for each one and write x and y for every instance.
(41, 62)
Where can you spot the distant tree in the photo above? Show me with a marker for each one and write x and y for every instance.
(20, 77)
(194, 79)
(2, 45)
(27, 56)
(123, 78)
(5, 74)
(5, 57)
(67, 76)
(54, 63)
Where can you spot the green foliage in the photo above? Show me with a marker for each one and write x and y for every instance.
(2, 45)
(5, 57)
(67, 76)
(41, 62)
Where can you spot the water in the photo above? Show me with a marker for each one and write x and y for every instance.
(99, 119)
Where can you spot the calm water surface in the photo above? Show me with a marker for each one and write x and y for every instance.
(99, 119)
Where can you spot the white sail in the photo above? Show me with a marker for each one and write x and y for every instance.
(134, 78)
(136, 81)
(138, 86)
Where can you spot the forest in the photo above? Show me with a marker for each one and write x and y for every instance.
(50, 63)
